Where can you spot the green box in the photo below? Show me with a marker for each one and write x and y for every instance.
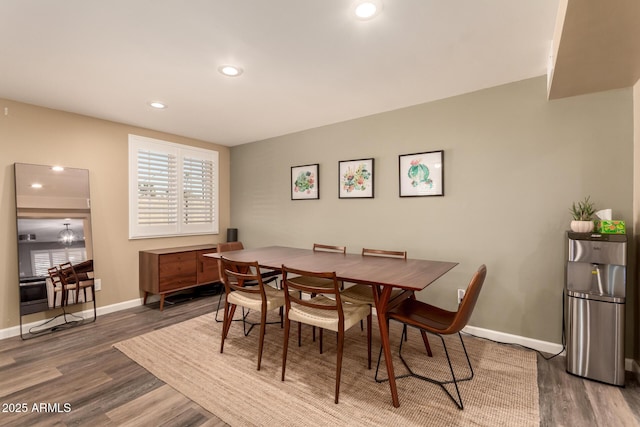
(611, 227)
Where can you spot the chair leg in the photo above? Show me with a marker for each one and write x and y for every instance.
(339, 362)
(229, 311)
(320, 334)
(369, 341)
(263, 325)
(224, 326)
(217, 309)
(285, 345)
(299, 334)
(425, 340)
(453, 380)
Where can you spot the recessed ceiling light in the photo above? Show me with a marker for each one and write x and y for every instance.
(57, 168)
(367, 9)
(230, 70)
(36, 185)
(158, 105)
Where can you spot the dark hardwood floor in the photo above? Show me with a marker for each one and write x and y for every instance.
(74, 378)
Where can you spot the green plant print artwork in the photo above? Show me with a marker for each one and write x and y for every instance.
(305, 182)
(419, 174)
(356, 180)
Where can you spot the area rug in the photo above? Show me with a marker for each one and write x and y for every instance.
(187, 356)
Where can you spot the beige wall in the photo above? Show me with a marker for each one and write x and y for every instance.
(30, 134)
(514, 163)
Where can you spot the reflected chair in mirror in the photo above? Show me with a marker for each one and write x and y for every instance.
(60, 287)
(81, 276)
(440, 322)
(245, 287)
(323, 308)
(267, 275)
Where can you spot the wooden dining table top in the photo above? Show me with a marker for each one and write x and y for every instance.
(411, 274)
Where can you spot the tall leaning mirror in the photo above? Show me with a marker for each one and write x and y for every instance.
(55, 251)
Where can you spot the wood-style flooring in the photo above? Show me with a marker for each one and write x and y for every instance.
(75, 378)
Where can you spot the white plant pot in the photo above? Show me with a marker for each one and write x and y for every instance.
(582, 226)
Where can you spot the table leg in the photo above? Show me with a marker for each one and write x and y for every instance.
(381, 298)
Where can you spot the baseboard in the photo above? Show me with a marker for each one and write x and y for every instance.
(543, 346)
(85, 314)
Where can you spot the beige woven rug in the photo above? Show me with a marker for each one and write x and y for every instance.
(187, 356)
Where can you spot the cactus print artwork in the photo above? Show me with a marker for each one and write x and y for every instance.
(422, 174)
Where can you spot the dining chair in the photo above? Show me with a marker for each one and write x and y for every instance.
(244, 286)
(317, 282)
(440, 322)
(81, 281)
(363, 294)
(237, 246)
(60, 287)
(323, 308)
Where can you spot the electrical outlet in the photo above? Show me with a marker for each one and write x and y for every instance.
(98, 284)
(460, 295)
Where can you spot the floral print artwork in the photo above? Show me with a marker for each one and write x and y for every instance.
(356, 179)
(305, 182)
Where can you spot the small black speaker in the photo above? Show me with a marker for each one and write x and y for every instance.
(232, 234)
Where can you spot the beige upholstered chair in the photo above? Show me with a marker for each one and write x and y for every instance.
(320, 283)
(237, 246)
(440, 322)
(363, 294)
(320, 311)
(315, 281)
(244, 287)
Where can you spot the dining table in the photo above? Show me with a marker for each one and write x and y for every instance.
(383, 274)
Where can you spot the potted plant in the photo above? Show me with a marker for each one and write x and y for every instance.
(582, 213)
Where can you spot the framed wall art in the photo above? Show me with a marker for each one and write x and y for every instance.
(305, 184)
(422, 174)
(355, 179)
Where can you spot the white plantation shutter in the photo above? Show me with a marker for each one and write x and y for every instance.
(172, 189)
(157, 188)
(40, 263)
(197, 188)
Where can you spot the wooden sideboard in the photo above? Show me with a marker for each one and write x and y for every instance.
(164, 271)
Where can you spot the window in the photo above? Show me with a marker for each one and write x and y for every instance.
(42, 260)
(173, 189)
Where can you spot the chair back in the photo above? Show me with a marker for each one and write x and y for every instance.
(54, 273)
(68, 273)
(329, 248)
(465, 309)
(383, 253)
(241, 277)
(229, 246)
(294, 291)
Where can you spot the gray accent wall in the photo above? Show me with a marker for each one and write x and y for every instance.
(514, 163)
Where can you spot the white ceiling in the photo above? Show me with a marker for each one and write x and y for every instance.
(306, 63)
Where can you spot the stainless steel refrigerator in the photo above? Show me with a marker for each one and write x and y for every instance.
(595, 292)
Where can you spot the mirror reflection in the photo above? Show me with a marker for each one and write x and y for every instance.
(53, 211)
